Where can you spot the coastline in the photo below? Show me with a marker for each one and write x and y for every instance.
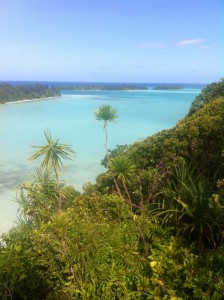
(14, 156)
(30, 100)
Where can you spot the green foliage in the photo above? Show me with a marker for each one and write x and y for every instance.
(212, 91)
(209, 282)
(106, 113)
(154, 149)
(11, 264)
(88, 252)
(52, 153)
(98, 248)
(118, 150)
(201, 138)
(122, 168)
(85, 258)
(10, 93)
(96, 86)
(172, 266)
(192, 140)
(168, 87)
(188, 208)
(178, 273)
(18, 274)
(37, 199)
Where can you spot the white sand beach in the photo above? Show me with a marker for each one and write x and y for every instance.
(31, 100)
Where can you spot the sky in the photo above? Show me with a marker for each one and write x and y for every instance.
(170, 41)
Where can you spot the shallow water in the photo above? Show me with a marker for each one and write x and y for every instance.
(71, 119)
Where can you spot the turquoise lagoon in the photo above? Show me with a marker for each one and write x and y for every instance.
(71, 119)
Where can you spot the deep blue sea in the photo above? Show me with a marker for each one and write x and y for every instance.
(71, 119)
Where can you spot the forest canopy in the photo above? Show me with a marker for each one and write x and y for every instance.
(9, 93)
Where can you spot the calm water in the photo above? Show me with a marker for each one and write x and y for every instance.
(71, 119)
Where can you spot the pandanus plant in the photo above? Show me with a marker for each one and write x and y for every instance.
(189, 207)
(53, 153)
(122, 169)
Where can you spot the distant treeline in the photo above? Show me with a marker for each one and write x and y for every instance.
(168, 87)
(9, 93)
(88, 87)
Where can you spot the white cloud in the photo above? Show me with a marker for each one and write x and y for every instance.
(152, 45)
(193, 42)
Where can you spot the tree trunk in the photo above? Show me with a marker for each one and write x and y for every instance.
(106, 143)
(59, 192)
(117, 188)
(127, 192)
(108, 161)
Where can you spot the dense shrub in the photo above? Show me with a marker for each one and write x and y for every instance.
(212, 91)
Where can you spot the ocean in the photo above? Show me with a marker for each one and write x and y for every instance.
(70, 118)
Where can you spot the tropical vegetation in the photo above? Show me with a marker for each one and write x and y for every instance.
(151, 227)
(102, 87)
(168, 87)
(10, 93)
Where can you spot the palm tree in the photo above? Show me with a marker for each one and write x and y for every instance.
(53, 153)
(106, 113)
(122, 169)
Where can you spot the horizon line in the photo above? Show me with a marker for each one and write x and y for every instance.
(104, 82)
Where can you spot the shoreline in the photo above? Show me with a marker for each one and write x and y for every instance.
(30, 100)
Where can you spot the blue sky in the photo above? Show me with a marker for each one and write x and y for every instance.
(112, 40)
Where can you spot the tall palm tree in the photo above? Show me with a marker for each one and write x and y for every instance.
(53, 153)
(122, 169)
(106, 113)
